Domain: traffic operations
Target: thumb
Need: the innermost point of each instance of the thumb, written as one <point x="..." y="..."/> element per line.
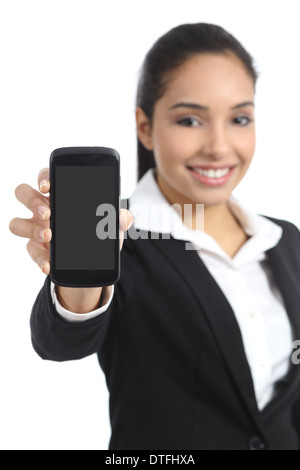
<point x="126" y="219"/>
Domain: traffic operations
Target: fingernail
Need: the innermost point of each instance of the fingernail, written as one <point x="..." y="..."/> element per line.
<point x="43" y="233"/>
<point x="43" y="184"/>
<point x="44" y="212"/>
<point x="43" y="267"/>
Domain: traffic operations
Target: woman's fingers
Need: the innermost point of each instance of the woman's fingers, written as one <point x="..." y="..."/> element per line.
<point x="43" y="181"/>
<point x="37" y="228"/>
<point x="28" y="229"/>
<point x="126" y="219"/>
<point x="39" y="253"/>
<point x="33" y="200"/>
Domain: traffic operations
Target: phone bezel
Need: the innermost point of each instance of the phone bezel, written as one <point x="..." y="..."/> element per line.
<point x="84" y="156"/>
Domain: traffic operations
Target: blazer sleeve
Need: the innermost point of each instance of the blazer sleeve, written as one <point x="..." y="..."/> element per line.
<point x="57" y="339"/>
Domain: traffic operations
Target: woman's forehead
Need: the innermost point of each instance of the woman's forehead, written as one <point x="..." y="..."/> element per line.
<point x="207" y="76"/>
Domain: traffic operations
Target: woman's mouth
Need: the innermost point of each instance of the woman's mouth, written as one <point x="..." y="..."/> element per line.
<point x="212" y="176"/>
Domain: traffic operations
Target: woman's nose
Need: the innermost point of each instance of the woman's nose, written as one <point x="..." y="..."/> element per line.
<point x="216" y="142"/>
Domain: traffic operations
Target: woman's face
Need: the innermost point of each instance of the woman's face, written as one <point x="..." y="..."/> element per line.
<point x="202" y="132"/>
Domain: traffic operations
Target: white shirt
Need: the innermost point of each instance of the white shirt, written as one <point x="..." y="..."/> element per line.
<point x="245" y="280"/>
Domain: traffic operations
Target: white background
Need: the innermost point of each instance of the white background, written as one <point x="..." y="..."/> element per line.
<point x="68" y="72"/>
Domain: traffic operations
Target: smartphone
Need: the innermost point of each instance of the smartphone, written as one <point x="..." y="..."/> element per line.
<point x="85" y="204"/>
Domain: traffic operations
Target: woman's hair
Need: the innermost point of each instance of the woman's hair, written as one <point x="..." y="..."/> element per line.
<point x="169" y="52"/>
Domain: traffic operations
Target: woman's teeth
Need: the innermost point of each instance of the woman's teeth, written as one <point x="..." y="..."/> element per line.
<point x="212" y="173"/>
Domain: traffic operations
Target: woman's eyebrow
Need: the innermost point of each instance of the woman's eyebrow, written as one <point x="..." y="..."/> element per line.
<point x="241" y="105"/>
<point x="189" y="105"/>
<point x="206" y="108"/>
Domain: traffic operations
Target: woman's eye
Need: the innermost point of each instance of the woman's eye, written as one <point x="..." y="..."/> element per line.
<point x="242" y="120"/>
<point x="188" y="122"/>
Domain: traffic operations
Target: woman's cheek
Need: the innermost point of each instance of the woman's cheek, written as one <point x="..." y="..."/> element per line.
<point x="171" y="149"/>
<point x="181" y="146"/>
<point x="246" y="145"/>
<point x="247" y="154"/>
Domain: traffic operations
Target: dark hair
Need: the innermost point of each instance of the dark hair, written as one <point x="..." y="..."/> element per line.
<point x="170" y="51"/>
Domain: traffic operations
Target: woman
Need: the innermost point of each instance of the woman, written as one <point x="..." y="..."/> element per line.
<point x="195" y="343"/>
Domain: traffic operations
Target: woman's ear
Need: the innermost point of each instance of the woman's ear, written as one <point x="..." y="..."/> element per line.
<point x="143" y="127"/>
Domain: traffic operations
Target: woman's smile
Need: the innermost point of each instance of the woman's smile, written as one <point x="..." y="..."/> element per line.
<point x="212" y="176"/>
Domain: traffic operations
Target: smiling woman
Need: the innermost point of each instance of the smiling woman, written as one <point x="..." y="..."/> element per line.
<point x="195" y="343"/>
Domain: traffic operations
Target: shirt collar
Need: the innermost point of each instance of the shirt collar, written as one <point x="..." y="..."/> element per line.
<point x="152" y="212"/>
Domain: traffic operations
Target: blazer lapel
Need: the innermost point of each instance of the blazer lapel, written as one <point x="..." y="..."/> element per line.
<point x="219" y="315"/>
<point x="288" y="283"/>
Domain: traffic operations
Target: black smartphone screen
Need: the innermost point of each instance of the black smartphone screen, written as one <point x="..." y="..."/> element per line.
<point x="80" y="190"/>
<point x="84" y="217"/>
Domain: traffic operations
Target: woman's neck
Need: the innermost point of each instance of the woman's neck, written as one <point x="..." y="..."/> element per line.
<point x="217" y="220"/>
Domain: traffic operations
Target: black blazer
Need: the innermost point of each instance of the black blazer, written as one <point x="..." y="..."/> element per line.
<point x="172" y="352"/>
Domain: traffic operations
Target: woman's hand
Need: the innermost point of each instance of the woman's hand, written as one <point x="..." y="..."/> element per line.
<point x="37" y="230"/>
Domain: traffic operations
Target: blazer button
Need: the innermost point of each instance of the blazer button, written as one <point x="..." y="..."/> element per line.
<point x="256" y="443"/>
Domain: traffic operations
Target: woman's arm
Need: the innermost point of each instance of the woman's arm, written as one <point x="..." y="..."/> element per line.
<point x="57" y="339"/>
